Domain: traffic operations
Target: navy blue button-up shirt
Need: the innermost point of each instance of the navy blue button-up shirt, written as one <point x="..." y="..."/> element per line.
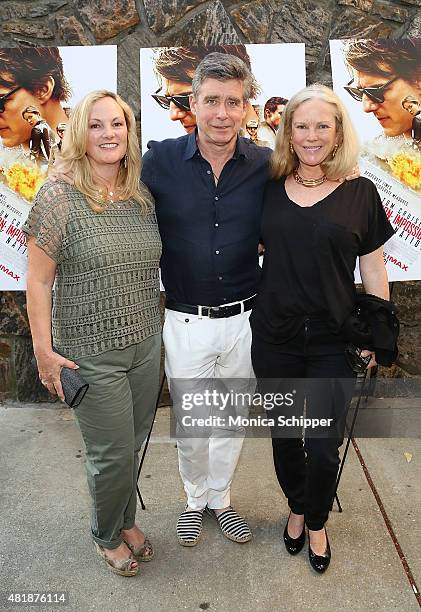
<point x="209" y="232"/>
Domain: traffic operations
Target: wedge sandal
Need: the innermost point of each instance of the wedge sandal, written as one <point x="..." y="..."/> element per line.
<point x="143" y="553"/>
<point x="122" y="568"/>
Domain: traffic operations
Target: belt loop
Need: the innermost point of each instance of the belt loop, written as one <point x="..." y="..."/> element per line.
<point x="199" y="312"/>
<point x="242" y="307"/>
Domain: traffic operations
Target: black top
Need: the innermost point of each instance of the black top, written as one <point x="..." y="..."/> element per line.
<point x="310" y="256"/>
<point x="209" y="233"/>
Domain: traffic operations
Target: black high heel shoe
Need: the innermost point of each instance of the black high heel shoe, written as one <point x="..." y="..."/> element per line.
<point x="319" y="563"/>
<point x="294" y="545"/>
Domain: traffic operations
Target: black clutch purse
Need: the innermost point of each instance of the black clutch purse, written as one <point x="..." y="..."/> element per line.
<point x="74" y="386"/>
<point x="356" y="362"/>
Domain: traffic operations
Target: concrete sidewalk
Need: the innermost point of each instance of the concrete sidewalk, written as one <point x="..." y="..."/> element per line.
<point x="45" y="543"/>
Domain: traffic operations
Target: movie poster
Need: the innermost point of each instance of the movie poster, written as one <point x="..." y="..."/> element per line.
<point x="166" y="76"/>
<point x="38" y="88"/>
<point x="379" y="81"/>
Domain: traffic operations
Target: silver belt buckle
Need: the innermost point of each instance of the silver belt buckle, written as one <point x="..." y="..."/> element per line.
<point x="211" y="310"/>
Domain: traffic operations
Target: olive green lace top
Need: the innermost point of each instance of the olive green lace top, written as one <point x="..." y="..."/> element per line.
<point x="106" y="292"/>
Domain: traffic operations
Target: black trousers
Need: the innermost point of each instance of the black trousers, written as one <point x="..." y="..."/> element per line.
<point x="307" y="466"/>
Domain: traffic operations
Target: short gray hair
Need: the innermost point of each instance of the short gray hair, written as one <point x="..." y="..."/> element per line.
<point x="224" y="67"/>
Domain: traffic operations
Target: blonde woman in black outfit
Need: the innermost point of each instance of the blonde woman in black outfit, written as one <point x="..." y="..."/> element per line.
<point x="314" y="228"/>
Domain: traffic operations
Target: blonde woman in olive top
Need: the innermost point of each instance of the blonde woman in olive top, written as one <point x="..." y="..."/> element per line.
<point x="99" y="240"/>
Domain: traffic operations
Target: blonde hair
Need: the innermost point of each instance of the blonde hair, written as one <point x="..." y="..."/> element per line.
<point x="283" y="161"/>
<point x="73" y="153"/>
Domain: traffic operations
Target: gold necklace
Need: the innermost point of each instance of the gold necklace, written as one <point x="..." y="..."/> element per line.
<point x="106" y="197"/>
<point x="309" y="182"/>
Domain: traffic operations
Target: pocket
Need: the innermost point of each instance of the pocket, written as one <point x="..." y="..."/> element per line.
<point x="175" y="333"/>
<point x="186" y="334"/>
<point x="181" y="318"/>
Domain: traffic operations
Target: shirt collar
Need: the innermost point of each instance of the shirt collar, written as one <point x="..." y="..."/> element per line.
<point x="192" y="148"/>
<point x="241" y="148"/>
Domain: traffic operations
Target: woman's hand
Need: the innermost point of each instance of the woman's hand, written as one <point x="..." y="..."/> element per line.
<point x="60" y="171"/>
<point x="372" y="362"/>
<point x="49" y="368"/>
<point x="355" y="173"/>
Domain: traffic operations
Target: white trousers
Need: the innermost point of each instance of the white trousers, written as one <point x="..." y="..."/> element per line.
<point x="208" y="348"/>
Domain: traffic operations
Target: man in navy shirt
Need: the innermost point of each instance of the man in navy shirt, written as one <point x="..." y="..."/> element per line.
<point x="208" y="188"/>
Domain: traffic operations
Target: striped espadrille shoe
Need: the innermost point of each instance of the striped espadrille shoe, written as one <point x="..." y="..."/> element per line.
<point x="189" y="527"/>
<point x="232" y="525"/>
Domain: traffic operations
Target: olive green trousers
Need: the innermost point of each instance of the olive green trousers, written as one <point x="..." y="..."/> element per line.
<point x="114" y="418"/>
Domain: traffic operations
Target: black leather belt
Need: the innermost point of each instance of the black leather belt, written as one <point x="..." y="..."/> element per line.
<point x="213" y="312"/>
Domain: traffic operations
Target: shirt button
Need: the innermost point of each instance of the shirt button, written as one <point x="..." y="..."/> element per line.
<point x="186" y="320"/>
<point x="216" y="252"/>
<point x="217" y="225"/>
<point x="219" y="277"/>
<point x="208" y="172"/>
<point x="216" y="198"/>
<point x="225" y="299"/>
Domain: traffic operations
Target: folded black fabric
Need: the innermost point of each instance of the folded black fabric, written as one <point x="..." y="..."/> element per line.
<point x="374" y="325"/>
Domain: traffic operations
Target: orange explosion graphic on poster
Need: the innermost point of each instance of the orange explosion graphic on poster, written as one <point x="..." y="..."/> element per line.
<point x="407" y="169"/>
<point x="24" y="179"/>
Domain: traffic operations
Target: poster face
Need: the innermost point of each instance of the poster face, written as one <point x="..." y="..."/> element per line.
<point x="380" y="84"/>
<point x="38" y="88"/>
<point x="166" y="75"/>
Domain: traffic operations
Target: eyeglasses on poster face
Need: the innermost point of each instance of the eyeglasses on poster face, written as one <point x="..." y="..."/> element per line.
<point x="182" y="101"/>
<point x="376" y="94"/>
<point x="3" y="98"/>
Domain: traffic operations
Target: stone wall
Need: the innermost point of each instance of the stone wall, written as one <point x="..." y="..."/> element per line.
<point x="131" y="24"/>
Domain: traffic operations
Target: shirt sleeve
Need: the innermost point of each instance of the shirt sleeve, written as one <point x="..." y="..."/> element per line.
<point x="149" y="200"/>
<point x="379" y="228"/>
<point x="47" y="221"/>
<point x="148" y="169"/>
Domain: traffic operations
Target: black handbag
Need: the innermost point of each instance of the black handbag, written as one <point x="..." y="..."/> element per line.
<point x="74" y="386"/>
<point x="374" y="325"/>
